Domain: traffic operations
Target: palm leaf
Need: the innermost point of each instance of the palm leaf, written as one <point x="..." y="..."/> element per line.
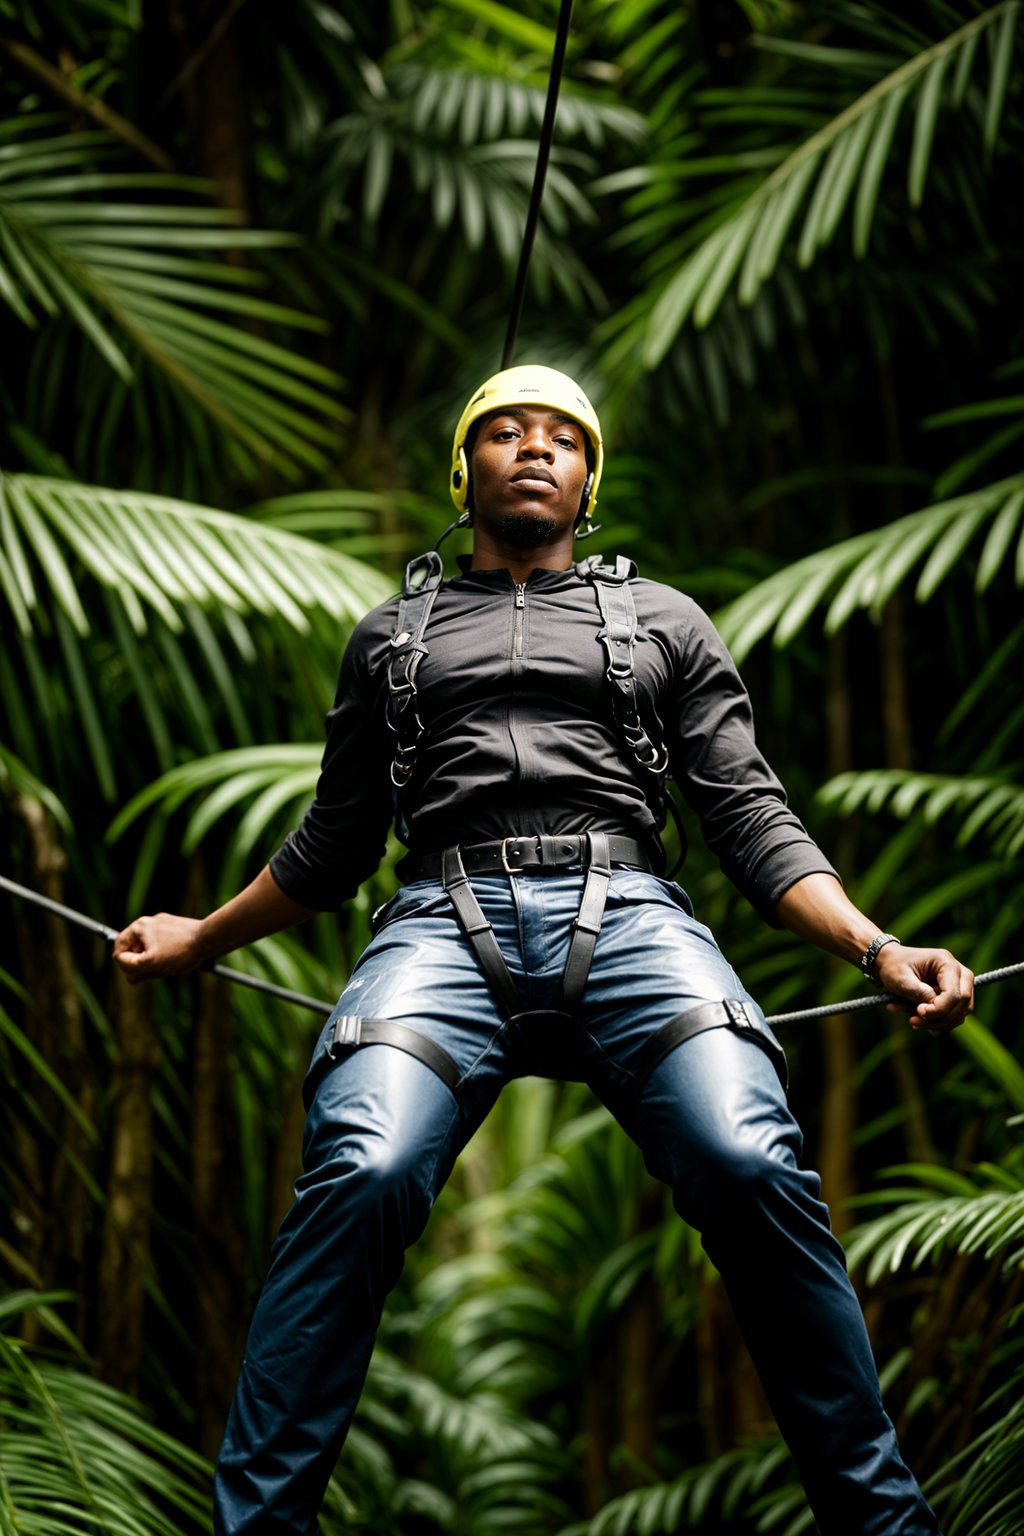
<point x="849" y="152"/>
<point x="989" y="1222"/>
<point x="132" y="277"/>
<point x="15" y="776"/>
<point x="982" y="805"/>
<point x="509" y="22"/>
<point x="159" y="554"/>
<point x="988" y="1497"/>
<point x="78" y="1455"/>
<point x="865" y="571"/>
<point x="234" y="776"/>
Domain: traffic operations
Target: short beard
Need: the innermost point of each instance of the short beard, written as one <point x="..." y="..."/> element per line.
<point x="527" y="532"/>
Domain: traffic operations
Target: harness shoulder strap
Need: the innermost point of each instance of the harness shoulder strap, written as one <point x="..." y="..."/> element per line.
<point x="618" y="636"/>
<point x="420" y="586"/>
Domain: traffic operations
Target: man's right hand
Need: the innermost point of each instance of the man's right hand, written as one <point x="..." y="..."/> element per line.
<point x="162" y="945"/>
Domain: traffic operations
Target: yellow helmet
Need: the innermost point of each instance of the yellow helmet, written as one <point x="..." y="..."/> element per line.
<point x="529" y="384"/>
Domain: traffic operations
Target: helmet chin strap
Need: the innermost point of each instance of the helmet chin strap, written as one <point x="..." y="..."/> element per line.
<point x="585" y="525"/>
<point x="586" y="528"/>
<point x="465" y="521"/>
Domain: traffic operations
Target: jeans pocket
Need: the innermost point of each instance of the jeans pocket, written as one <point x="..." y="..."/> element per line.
<point x="419" y="898"/>
<point x="636" y="885"/>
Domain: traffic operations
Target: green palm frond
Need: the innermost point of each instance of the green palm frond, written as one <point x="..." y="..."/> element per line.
<point x="132" y="610"/>
<point x="277" y="781"/>
<point x="159" y="554"/>
<point x="844" y="159"/>
<point x="757" y="1481"/>
<point x="470" y="1421"/>
<point x="15" y="777"/>
<point x="79" y="1456"/>
<point x="987" y="1498"/>
<point x="983" y="806"/>
<point x="509" y="22"/>
<point x="471" y="107"/>
<point x="141" y="279"/>
<point x="465" y="139"/>
<point x="865" y="571"/>
<point x="489" y="1459"/>
<point x="997" y="442"/>
<point x="483" y="191"/>
<point x="940" y="1212"/>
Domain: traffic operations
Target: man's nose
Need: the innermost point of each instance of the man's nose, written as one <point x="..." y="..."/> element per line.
<point x="536" y="445"/>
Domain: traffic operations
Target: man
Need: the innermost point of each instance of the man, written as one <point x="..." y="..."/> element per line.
<point x="525" y="712"/>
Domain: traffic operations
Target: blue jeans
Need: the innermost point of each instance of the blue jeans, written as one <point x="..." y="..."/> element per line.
<point x="383" y="1132"/>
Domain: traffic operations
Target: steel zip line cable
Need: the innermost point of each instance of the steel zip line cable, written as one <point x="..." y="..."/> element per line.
<point x="101" y="931"/>
<point x="316" y="1005"/>
<point x="547" y="133"/>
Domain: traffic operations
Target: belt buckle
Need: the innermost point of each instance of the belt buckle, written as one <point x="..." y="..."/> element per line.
<point x="506" y="866"/>
<point x="516" y="838"/>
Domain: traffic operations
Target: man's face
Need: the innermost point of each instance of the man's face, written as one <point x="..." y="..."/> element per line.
<point x="528" y="469"/>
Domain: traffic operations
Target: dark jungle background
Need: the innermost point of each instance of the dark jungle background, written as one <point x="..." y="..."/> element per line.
<point x="253" y="257"/>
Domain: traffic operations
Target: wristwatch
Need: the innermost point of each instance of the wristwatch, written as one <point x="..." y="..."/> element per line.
<point x="870" y="955"/>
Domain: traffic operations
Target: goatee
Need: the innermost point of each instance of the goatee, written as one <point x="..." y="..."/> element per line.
<point x="527" y="532"/>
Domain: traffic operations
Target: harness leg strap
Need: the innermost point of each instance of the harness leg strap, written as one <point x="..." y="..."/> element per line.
<point x="732" y="1013"/>
<point x="587" y="922"/>
<point x="479" y="932"/>
<point x="350" y="1031"/>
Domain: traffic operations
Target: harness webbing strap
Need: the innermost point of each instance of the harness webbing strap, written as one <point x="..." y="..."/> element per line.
<point x="731" y="1013"/>
<point x="618" y="636"/>
<point x="350" y="1031"/>
<point x="587" y="922"/>
<point x="479" y="933"/>
<point x="420" y="586"/>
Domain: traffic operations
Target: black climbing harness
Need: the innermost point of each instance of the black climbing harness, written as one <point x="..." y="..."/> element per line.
<point x="351" y="1031"/>
<point x="420" y="586"/>
<point x="618" y="636"/>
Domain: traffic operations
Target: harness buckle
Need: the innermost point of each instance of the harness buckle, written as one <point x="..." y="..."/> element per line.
<point x="739" y="1018"/>
<point x="658" y="760"/>
<point x="348" y="1028"/>
<point x="403" y="765"/>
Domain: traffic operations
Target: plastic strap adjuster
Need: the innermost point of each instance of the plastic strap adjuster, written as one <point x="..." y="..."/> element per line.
<point x="346" y="1034"/>
<point x="739" y="1018"/>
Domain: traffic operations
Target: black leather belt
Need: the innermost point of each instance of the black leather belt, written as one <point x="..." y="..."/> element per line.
<point x="537" y="853"/>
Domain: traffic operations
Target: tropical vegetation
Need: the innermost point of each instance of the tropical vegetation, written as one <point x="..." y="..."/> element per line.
<point x="251" y="261"/>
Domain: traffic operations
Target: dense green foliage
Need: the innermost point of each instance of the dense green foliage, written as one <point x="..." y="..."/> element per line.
<point x="250" y="265"/>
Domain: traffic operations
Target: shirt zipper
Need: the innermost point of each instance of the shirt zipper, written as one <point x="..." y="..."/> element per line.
<point x="517" y="631"/>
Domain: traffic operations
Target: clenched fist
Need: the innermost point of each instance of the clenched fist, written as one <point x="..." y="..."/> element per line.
<point x="162" y="945"/>
<point x="934" y="988"/>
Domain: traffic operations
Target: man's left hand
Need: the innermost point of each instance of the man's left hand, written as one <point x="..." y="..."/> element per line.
<point x="933" y="987"/>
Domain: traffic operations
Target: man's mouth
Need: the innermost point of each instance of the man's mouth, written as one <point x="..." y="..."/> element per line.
<point x="536" y="478"/>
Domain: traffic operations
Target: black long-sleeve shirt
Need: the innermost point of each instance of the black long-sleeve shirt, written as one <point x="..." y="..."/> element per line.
<point x="520" y="738"/>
